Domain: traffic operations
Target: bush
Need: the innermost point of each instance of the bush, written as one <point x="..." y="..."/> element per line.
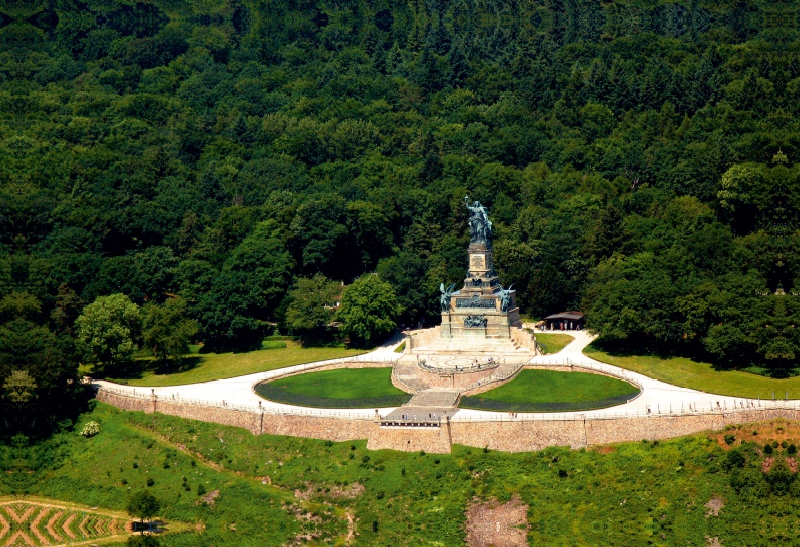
<point x="150" y="482"/>
<point x="767" y="449"/>
<point x="729" y="439"/>
<point x="91" y="429"/>
<point x="792" y="449"/>
<point x="734" y="460"/>
<point x="201" y="489"/>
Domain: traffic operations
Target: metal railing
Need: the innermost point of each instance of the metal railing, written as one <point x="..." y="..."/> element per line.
<point x="665" y="410"/>
<point x="489" y="364"/>
<point x="739" y="406"/>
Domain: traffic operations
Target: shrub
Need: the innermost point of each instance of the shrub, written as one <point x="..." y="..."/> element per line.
<point x="734" y="460"/>
<point x="729" y="439"/>
<point x="201" y="489"/>
<point x="150" y="482"/>
<point x="767" y="449"/>
<point x="792" y="449"/>
<point x="562" y="474"/>
<point x="91" y="429"/>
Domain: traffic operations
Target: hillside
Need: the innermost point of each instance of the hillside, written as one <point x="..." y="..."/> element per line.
<point x="637" y="159"/>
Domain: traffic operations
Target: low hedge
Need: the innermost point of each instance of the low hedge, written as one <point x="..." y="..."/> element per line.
<point x="280" y="395"/>
<point x="476" y="403"/>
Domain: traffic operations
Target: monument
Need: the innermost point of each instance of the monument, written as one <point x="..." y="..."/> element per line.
<point x="482" y="308"/>
<point x="482" y="316"/>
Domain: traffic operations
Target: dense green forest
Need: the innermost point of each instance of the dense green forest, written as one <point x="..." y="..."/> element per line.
<point x="637" y="157"/>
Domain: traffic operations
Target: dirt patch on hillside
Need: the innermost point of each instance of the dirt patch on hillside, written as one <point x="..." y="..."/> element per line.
<point x="714" y="506"/>
<point x="209" y="499"/>
<point x="335" y="492"/>
<point x="765" y="432"/>
<point x="500" y="525"/>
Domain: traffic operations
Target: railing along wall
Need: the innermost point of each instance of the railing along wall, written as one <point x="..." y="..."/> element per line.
<point x="662" y="410"/>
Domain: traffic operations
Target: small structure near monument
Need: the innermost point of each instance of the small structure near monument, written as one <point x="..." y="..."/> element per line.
<point x="567" y="320"/>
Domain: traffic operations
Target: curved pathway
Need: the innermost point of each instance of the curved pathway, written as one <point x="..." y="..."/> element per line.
<point x="239" y="389"/>
<point x="657" y="397"/>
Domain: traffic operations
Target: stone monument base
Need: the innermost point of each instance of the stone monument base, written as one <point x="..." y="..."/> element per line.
<point x="474" y="341"/>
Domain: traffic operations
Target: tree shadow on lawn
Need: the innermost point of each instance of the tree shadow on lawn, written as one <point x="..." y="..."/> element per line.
<point x="135" y="370"/>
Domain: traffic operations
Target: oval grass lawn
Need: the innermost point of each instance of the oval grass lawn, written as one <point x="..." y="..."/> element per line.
<point x="553" y="391"/>
<point x="338" y="388"/>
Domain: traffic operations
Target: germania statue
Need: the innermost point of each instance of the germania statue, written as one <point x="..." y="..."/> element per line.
<point x="480" y="227"/>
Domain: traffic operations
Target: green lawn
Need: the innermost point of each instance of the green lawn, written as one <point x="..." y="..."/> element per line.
<point x="553" y="391"/>
<point x="684" y="372"/>
<point x="340" y="388"/>
<point x="213" y="366"/>
<point x="343" y="383"/>
<point x="552" y="343"/>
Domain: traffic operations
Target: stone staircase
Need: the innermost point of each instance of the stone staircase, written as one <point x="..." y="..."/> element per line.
<point x="434" y="398"/>
<point x="478" y="346"/>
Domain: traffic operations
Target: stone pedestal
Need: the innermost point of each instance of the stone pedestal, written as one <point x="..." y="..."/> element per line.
<point x="476" y="311"/>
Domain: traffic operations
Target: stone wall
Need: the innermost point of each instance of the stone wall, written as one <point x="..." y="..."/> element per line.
<point x="422" y="337"/>
<point x="524" y="436"/>
<point x="458" y="380"/>
<point x="524" y="339"/>
<point x="504" y="434"/>
<point x="314" y="427"/>
<point x="435" y="440"/>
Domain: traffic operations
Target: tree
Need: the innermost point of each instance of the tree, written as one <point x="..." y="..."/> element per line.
<point x="369" y="309"/>
<point x="143" y="505"/>
<point x="312" y="307"/>
<point x="166" y="330"/>
<point x="109" y="328"/>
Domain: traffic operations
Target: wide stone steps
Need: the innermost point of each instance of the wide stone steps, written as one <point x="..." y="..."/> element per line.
<point x="434" y="398"/>
<point x="488" y="346"/>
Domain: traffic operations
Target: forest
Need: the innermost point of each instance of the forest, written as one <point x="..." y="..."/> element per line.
<point x="638" y="158"/>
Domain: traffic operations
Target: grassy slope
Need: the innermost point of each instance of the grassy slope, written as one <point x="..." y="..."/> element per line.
<point x="342" y="383"/>
<point x="213" y="366"/>
<point x="701" y="376"/>
<point x="552" y="343"/>
<point x="552" y="386"/>
<point x="629" y="494"/>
